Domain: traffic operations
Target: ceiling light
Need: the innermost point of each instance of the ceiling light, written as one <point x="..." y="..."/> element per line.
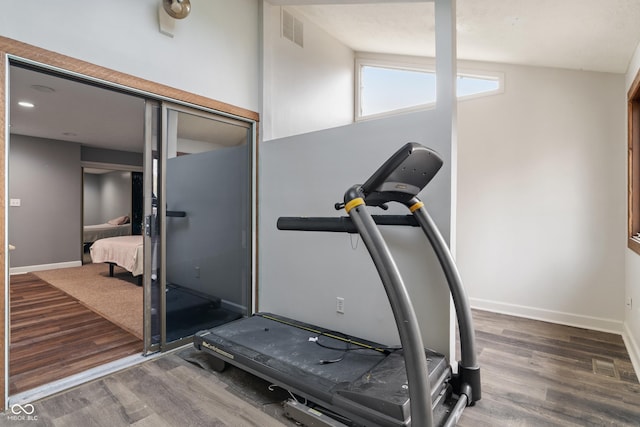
<point x="26" y="104"/>
<point x="43" y="88"/>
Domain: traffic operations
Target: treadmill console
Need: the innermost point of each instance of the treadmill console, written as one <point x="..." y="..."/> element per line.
<point x="402" y="176"/>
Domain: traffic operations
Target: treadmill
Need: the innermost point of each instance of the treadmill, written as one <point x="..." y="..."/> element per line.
<point x="337" y="379"/>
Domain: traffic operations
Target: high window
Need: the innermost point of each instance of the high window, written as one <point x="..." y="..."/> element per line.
<point x="386" y="88"/>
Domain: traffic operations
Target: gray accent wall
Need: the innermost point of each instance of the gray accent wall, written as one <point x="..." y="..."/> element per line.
<point x="302" y="273"/>
<point x="91" y="199"/>
<point x="46" y="176"/>
<point x="106" y="196"/>
<point x="117" y="157"/>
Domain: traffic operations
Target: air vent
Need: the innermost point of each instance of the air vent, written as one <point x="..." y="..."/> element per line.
<point x="606" y="368"/>
<point x="292" y="28"/>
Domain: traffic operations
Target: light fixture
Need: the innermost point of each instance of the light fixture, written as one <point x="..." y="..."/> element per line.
<point x="26" y="104"/>
<point x="177" y="9"/>
<point x="43" y="88"/>
<point x="169" y="11"/>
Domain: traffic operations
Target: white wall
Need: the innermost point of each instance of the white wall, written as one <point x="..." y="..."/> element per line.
<point x="302" y="273"/>
<point x="541" y="196"/>
<point x="214" y="53"/>
<point x="632" y="266"/>
<point x="304" y="174"/>
<point x="305" y="88"/>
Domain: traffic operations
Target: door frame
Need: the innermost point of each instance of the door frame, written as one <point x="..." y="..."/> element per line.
<point x="15" y="51"/>
<point x="166" y="132"/>
<point x="100" y="165"/>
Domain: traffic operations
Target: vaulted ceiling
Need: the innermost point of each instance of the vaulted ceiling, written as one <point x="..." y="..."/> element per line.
<point x="596" y="35"/>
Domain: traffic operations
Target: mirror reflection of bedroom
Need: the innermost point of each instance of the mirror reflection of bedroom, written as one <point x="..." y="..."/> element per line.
<point x="112" y="206"/>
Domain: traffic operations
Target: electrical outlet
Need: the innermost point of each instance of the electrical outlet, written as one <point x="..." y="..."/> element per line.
<point x="629" y="303"/>
<point x="340" y="305"/>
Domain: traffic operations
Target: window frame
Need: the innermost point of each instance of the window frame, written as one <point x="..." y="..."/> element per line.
<point x="426" y="65"/>
<point x="633" y="165"/>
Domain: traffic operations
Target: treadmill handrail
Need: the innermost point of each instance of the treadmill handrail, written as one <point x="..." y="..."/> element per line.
<point x="343" y="224"/>
<point x="469" y="371"/>
<point x="401" y="307"/>
<point x="399" y="180"/>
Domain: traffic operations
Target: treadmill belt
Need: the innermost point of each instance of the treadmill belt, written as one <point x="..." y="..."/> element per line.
<point x="284" y="346"/>
<point x="359" y="379"/>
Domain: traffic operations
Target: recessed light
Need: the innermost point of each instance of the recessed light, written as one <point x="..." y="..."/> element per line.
<point x="43" y="88"/>
<point x="26" y="104"/>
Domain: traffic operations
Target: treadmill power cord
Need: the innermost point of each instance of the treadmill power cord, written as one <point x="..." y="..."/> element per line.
<point x="347" y="339"/>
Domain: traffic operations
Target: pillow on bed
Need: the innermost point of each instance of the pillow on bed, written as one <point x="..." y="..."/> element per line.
<point x="119" y="220"/>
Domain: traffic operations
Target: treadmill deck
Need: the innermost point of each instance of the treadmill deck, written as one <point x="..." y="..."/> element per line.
<point x="359" y="379"/>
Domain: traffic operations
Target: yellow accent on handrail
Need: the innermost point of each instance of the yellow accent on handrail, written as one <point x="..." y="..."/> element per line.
<point x="416" y="206"/>
<point x="354" y="203"/>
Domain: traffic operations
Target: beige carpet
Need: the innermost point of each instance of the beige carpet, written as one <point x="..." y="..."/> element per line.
<point x="117" y="298"/>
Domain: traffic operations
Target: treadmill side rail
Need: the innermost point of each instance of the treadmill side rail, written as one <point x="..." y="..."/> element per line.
<point x="308" y="416"/>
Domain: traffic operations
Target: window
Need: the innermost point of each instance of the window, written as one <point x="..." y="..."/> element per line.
<point x="390" y="87"/>
<point x="633" y="168"/>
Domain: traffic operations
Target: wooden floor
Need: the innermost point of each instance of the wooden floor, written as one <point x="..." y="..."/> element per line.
<point x="533" y="374"/>
<point x="542" y="374"/>
<point x="53" y="335"/>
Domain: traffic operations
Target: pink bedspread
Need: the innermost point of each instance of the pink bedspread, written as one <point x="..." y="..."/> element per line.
<point x="124" y="251"/>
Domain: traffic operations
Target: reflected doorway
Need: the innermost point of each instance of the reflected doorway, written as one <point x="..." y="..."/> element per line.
<point x="112" y="205"/>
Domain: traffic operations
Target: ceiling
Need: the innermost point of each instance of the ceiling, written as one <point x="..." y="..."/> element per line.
<point x="91" y="115"/>
<point x="70" y="111"/>
<point x="596" y="35"/>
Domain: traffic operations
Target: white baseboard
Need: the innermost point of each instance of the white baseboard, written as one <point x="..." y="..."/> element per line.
<point x="632" y="348"/>
<point x="30" y="268"/>
<point x="569" y="319"/>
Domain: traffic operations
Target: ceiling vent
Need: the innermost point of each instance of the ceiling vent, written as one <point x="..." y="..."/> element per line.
<point x="292" y="28"/>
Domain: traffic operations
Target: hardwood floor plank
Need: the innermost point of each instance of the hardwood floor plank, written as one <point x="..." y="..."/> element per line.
<point x="529" y="378"/>
<point x="53" y="335"/>
<point x="228" y="408"/>
<point x="169" y="400"/>
<point x="131" y="405"/>
<point x="153" y="420"/>
<point x="520" y="358"/>
<point x="574" y="347"/>
<point x="592" y="409"/>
